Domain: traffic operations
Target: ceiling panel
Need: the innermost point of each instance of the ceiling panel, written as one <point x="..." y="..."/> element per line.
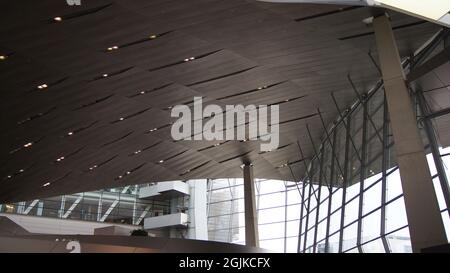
<point x="105" y="114"/>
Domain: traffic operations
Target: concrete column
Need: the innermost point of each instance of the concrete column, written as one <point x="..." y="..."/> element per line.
<point x="425" y="223"/>
<point x="251" y="216"/>
<point x="198" y="217"/>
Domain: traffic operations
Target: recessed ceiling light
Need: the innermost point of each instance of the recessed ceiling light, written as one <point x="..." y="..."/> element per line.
<point x="70" y="133"/>
<point x="368" y="21"/>
<point x="152" y="36"/>
<point x="113" y="48"/>
<point x="57" y="19"/>
<point x="28" y="144"/>
<point x="121" y="119"/>
<point x="21" y="170"/>
<point x="142" y="92"/>
<point x="161" y="161"/>
<point x="46" y="184"/>
<point x="9" y="176"/>
<point x="189" y="59"/>
<point x="128" y="172"/>
<point x="3" y="57"/>
<point x="42" y="86"/>
<point x="105" y="75"/>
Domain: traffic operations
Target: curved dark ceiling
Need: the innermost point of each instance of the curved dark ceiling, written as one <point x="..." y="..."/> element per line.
<point x="83" y="131"/>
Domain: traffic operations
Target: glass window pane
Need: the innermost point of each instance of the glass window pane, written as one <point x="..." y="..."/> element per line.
<point x="372" y="198"/>
<point x="293" y="212"/>
<point x="219" y="235"/>
<point x="352" y="191"/>
<point x="333" y="245"/>
<point x="439" y="194"/>
<point x="220" y="208"/>
<point x="219" y="183"/>
<point x="291" y="245"/>
<point x="270" y="231"/>
<point x="323" y="210"/>
<point x="375" y="246"/>
<point x="351" y="211"/>
<point x="396" y="215"/>
<point x="321" y="230"/>
<point x="371" y="226"/>
<point x="268" y="186"/>
<point x="312" y="218"/>
<point x="400" y="242"/>
<point x="310" y="239"/>
<point x="335" y="221"/>
<point x="276" y="245"/>
<point x="446" y="221"/>
<point x="293" y="196"/>
<point x="336" y="201"/>
<point x="292" y="228"/>
<point x="393" y="185"/>
<point x="271" y="200"/>
<point x="313" y="200"/>
<point x="349" y="237"/>
<point x="271" y="215"/>
<point x="220" y="195"/>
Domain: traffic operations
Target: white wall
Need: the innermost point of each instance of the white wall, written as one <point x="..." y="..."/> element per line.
<point x="44" y="225"/>
<point x="168" y="220"/>
<point x="198" y="219"/>
<point x="155" y="190"/>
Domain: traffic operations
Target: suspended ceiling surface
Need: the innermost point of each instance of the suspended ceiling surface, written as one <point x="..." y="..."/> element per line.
<point x="88" y="131"/>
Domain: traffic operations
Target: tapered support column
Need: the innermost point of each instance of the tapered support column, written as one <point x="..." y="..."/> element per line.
<point x="425" y="223"/>
<point x="251" y="217"/>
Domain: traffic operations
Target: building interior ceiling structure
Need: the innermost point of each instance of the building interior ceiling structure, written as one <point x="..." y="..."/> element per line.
<point x="86" y="91"/>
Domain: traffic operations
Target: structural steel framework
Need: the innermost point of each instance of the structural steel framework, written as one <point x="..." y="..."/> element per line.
<point x="355" y="148"/>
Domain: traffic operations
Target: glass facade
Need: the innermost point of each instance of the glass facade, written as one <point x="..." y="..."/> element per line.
<point x="278" y="206"/>
<point x="118" y="205"/>
<point x="351" y="199"/>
